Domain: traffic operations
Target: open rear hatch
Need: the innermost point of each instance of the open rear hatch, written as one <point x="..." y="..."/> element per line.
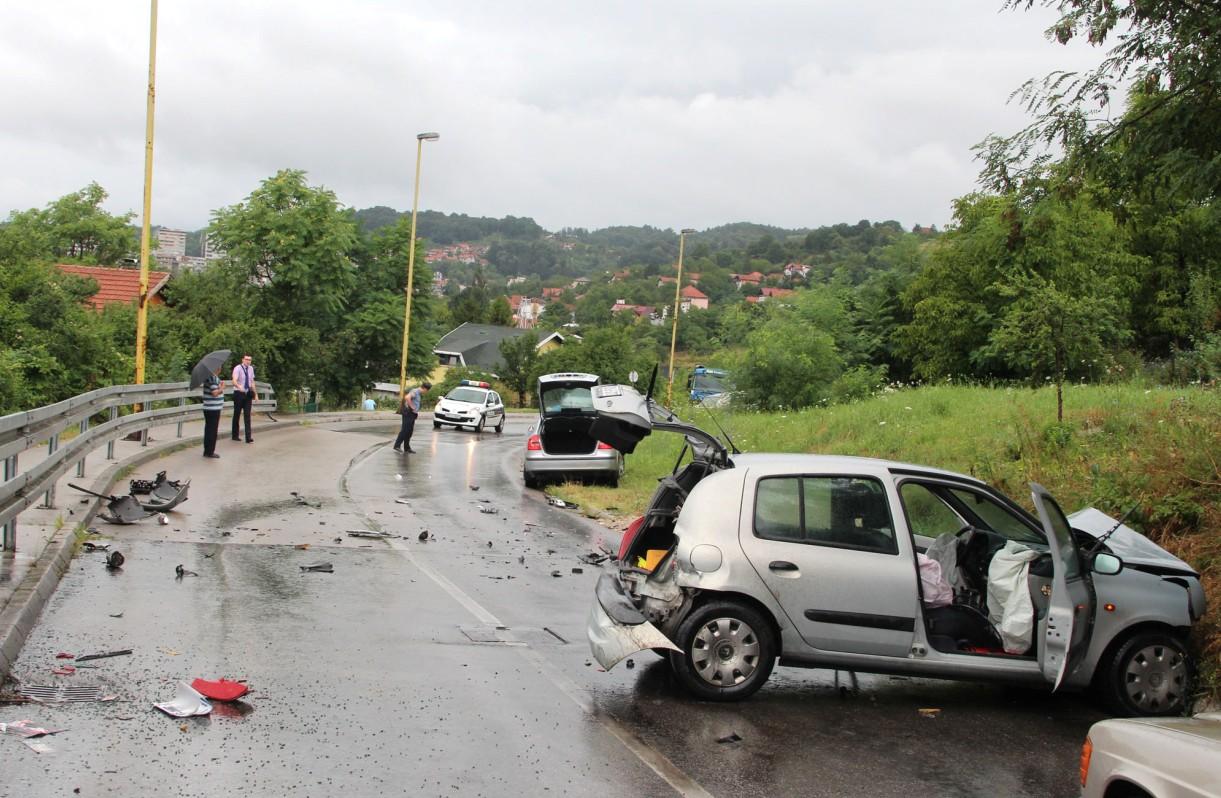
<point x="568" y="413"/>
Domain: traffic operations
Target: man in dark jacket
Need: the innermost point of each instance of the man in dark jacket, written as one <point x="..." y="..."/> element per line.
<point x="409" y="407"/>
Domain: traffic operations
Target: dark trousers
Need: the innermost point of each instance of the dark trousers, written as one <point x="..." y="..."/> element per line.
<point x="242" y="401"/>
<point x="404" y="438"/>
<point x="211" y="425"/>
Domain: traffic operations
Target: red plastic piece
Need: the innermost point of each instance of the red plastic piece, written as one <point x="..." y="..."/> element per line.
<point x="221" y="690"/>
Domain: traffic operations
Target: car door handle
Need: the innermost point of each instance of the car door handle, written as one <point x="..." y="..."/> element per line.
<point x="781" y="565"/>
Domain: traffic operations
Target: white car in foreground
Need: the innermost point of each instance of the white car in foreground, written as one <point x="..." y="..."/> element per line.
<point x="1162" y="757"/>
<point x="471" y="404"/>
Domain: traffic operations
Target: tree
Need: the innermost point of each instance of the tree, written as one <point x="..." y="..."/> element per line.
<point x="72" y="227"/>
<point x="1169" y="53"/>
<point x="787" y="364"/>
<point x="500" y="313"/>
<point x="521" y="360"/>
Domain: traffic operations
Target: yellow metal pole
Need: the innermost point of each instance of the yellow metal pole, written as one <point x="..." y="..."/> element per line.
<point x="142" y="308"/>
<point x="415" y="206"/>
<point x="678" y="286"/>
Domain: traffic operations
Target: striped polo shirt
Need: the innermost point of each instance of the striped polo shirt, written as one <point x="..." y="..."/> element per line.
<point x="211" y="402"/>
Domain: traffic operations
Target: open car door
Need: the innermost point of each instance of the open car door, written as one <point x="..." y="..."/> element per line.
<point x="625" y="417"/>
<point x="1070" y="611"/>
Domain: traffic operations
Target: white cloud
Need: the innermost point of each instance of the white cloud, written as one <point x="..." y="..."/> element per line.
<point x="578" y="114"/>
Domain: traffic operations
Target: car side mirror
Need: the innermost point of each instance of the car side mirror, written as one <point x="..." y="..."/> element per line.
<point x="1107" y="564"/>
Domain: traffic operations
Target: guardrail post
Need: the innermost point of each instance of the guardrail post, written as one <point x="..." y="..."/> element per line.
<point x="9" y="530"/>
<point x="114" y="413"/>
<point x="48" y="498"/>
<point x="181" y="403"/>
<point x="80" y="467"/>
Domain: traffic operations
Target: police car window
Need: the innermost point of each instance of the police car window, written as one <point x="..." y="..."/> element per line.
<point x="462" y="394"/>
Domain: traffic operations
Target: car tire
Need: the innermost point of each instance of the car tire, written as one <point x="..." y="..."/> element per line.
<point x="1148" y="674"/>
<point x="728" y="651"/>
<point x="500" y="427"/>
<point x="436" y="425"/>
<point x="479" y="424"/>
<point x="532" y="481"/>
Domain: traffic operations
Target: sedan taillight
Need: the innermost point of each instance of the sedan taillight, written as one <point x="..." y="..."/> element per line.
<point x="629" y="536"/>
<point x="604" y="446"/>
<point x="534" y="444"/>
<point x="1087" y="751"/>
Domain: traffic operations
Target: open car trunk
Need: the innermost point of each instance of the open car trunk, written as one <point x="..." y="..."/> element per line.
<point x="568" y="435"/>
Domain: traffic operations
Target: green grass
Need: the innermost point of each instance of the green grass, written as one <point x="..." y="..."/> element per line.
<point x="1119" y="445"/>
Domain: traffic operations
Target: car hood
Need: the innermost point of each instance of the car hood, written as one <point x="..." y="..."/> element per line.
<point x="454" y="404"/>
<point x="1126" y="543"/>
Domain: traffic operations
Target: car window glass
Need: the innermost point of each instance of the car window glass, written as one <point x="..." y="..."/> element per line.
<point x="848" y="511"/>
<point x="778" y="509"/>
<point x="927" y="514"/>
<point x="464" y="394"/>
<point x="556" y="400"/>
<point x="998" y="518"/>
<point x="495" y="398"/>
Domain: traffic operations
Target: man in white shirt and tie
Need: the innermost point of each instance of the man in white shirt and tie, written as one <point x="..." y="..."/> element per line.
<point x="244" y="394"/>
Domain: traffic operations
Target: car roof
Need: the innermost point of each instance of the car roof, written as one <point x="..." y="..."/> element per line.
<point x="832" y="462"/>
<point x="568" y="376"/>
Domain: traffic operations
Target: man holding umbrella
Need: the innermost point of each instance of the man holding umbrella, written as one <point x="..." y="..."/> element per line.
<point x="206" y="374"/>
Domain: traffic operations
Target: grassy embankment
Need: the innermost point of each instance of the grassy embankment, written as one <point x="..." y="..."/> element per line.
<point x="1118" y="446"/>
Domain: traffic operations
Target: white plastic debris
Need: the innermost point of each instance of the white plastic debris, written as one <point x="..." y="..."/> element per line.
<point x="187" y="704"/>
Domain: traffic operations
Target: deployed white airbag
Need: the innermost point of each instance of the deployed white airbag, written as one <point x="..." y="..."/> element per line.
<point x="1009" y="606"/>
<point x="936" y="590"/>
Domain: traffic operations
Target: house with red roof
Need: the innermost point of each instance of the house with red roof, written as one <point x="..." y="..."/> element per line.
<point x="552" y="293"/>
<point x="692" y="297"/>
<point x="118" y="286"/>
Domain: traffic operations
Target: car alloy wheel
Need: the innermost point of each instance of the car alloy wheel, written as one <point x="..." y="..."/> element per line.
<point x="728" y="651"/>
<point x="479" y="423"/>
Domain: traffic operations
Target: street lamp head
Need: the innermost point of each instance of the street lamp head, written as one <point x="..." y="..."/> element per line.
<point x="687" y="231"/>
<point x="428" y="136"/>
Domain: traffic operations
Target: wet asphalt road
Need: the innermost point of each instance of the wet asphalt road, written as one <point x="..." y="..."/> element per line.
<point x="452" y="667"/>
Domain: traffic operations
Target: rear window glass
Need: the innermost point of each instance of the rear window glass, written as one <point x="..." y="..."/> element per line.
<point x="571" y="398"/>
<point x="463" y="394"/>
<point x="843" y="512"/>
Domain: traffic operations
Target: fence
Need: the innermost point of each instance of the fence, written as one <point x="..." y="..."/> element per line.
<point x="147" y="406"/>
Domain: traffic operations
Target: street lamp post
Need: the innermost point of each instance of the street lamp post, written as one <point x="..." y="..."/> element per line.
<point x="678" y="287"/>
<point x="142" y="306"/>
<point x="415" y="207"/>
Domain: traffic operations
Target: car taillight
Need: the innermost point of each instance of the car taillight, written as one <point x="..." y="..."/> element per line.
<point x="1087" y="750"/>
<point x="534" y="444"/>
<point x="629" y="535"/>
<point x="604" y="446"/>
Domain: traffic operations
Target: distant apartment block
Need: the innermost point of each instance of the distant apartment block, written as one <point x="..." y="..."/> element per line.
<point x="171" y="243"/>
<point x="463" y="253"/>
<point x="210" y="250"/>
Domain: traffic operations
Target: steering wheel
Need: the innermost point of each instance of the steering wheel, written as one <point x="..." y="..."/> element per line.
<point x="964" y="530"/>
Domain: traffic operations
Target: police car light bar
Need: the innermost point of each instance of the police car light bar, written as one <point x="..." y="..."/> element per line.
<point x="475" y="384"/>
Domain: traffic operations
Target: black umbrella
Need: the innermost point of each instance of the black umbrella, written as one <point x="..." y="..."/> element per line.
<point x="210" y="363"/>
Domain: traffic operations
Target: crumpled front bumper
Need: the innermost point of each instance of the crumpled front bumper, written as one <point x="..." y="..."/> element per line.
<point x="616" y="629"/>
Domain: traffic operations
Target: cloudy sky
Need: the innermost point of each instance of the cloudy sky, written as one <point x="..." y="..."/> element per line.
<point x="672" y="113"/>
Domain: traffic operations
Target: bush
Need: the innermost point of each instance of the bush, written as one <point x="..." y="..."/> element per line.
<point x="858" y="383"/>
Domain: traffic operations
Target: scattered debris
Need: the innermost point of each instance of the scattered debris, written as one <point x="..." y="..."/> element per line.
<point x="556" y="574"/>
<point x="302" y="546"/>
<point x="65" y="655"/>
<point x="90" y="546"/>
<point x="161" y="519"/>
<point x="631" y="663"/>
<point x="398" y="476"/>
<point x="401" y="501"/>
<point x="732" y="737"/>
<point x="304" y="502"/>
<point x="929" y="712"/>
<point x="60" y="693"/>
<point x="319" y="567"/>
<point x="121" y="509"/>
<point x="557" y="502"/>
<point x="115" y="560"/>
<point x="116" y="615"/>
<point x="339" y="540"/>
<point x="180" y="572"/>
<point x="489" y="544"/>
<point x="521" y="559"/>
<point x="63" y="670"/>
<point x="163" y="494"/>
<point x="594" y="559"/>
<point x="105" y="655"/>
<point x="220" y="690"/>
<point x="473" y="487"/>
<point x="489" y="511"/>
<point x="578" y="570"/>
<point x="26" y="729"/>
<point x="423" y="535"/>
<point x="38" y="746"/>
<point x="187" y="704"/>
<point x="369" y="533"/>
<point x="169" y="652"/>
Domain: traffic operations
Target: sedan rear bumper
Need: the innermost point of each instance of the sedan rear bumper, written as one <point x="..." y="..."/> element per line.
<point x="616" y="629"/>
<point x="551" y="464"/>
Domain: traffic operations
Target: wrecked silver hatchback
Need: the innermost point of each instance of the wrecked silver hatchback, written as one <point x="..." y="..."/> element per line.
<point x="741" y="561"/>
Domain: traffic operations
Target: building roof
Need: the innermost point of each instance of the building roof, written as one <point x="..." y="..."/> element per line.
<point x="116" y="285"/>
<point x="770" y="291"/>
<point x="479" y="344"/>
<point x="691" y="292"/>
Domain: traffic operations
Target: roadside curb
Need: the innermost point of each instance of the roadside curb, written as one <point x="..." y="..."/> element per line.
<point x="35" y="591"/>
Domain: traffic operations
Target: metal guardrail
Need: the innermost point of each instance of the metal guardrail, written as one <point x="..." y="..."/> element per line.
<point x="20" y="432"/>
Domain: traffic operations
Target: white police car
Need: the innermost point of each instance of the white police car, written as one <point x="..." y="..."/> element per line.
<point x="471" y="404"/>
